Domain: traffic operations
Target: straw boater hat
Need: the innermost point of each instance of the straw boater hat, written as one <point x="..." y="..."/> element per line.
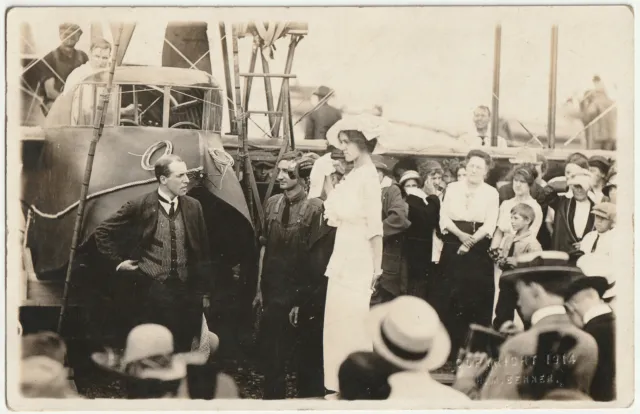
<point x="545" y="265"/>
<point x="148" y="342"/>
<point x="407" y="332"/>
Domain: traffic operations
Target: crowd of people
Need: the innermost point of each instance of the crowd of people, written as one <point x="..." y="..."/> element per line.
<point x="381" y="274"/>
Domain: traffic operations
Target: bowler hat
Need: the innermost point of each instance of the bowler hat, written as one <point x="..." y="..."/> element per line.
<point x="322" y="91"/>
<point x="539" y="266"/>
<point x="598" y="283"/>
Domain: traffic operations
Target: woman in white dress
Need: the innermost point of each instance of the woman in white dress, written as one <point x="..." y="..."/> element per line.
<point x="354" y="207"/>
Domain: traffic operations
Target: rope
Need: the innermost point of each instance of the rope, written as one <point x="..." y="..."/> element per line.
<point x="146" y="157"/>
<point x="98" y="194"/>
<point x="222" y="159"/>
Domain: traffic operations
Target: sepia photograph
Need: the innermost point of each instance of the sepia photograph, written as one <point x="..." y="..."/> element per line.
<point x="320" y="207"/>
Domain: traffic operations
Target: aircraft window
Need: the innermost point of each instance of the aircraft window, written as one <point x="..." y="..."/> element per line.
<point x="141" y="105"/>
<point x="194" y="108"/>
<point x="85" y="102"/>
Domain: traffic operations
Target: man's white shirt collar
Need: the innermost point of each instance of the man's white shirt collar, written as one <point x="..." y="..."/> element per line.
<point x="596" y="311"/>
<point x="167" y="206"/>
<point x="547" y="311"/>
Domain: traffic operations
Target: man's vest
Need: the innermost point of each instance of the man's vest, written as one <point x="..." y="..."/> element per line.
<point x="166" y="256"/>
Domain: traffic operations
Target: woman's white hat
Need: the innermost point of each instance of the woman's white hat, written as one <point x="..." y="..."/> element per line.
<point x="409" y="175"/>
<point x="369" y="125"/>
<point x="147" y="341"/>
<point x="408" y="333"/>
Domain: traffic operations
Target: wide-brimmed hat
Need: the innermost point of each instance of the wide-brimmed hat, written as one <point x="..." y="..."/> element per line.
<point x="605" y="210"/>
<point x="409" y="175"/>
<point x="371" y="127"/>
<point x="540" y="266"/>
<point x="408" y="333"/>
<point x="153" y="343"/>
<point x="322" y="91"/>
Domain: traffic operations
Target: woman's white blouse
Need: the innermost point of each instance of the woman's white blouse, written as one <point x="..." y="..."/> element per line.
<point x="462" y="203"/>
<point x="357" y="200"/>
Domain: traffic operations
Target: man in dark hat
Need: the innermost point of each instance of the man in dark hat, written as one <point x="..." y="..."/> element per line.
<point x="584" y="301"/>
<point x="599" y="167"/>
<point x="323" y="117"/>
<point x="61" y="61"/>
<point x="541" y="280"/>
<point x="395" y="220"/>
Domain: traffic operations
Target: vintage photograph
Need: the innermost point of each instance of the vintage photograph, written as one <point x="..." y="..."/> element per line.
<point x="315" y="207"/>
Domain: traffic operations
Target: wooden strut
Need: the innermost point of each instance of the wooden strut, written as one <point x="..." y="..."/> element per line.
<point x="227" y="77"/>
<point x="295" y="39"/>
<point x="98" y="126"/>
<point x="268" y="93"/>
<point x="495" y="101"/>
<point x="553" y="78"/>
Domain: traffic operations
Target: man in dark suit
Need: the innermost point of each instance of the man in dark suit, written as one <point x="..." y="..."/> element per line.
<point x="324" y="116"/>
<point x="541" y="280"/>
<point x="584" y="301"/>
<point x="158" y="246"/>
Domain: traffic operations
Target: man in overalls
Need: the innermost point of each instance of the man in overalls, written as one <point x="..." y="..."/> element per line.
<point x="290" y="216"/>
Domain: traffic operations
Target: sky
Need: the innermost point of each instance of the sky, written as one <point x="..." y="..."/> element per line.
<point x="426" y="65"/>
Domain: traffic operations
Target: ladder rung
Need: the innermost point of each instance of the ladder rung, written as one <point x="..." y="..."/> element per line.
<point x="267" y="75"/>
<point x="278" y="113"/>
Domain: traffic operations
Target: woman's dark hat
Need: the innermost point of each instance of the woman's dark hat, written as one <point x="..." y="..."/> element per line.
<point x="540" y="266"/>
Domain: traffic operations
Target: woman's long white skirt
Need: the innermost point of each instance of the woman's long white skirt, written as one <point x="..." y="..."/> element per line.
<point x="344" y="327"/>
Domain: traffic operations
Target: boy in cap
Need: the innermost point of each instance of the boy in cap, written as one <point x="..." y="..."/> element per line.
<point x="600" y="241"/>
<point x="323" y="117"/>
<point x="541" y="281"/>
<point x="584" y="301"/>
<point x="599" y="168"/>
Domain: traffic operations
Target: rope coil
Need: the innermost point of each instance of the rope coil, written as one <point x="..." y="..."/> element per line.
<point x="145" y="162"/>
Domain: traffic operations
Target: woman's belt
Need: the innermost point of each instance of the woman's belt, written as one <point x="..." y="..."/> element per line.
<point x="469" y="227"/>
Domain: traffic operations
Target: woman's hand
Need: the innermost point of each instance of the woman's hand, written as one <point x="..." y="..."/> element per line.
<point x="466" y="239"/>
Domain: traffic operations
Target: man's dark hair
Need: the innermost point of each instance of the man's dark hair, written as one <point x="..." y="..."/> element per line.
<point x="100" y="44"/>
<point x="579" y="159"/>
<point x="359" y="139"/>
<point x="161" y="167"/>
<point x="363" y="376"/>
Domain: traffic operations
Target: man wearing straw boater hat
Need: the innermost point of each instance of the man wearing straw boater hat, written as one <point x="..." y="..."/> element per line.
<point x="323" y="117"/>
<point x="541" y="280"/>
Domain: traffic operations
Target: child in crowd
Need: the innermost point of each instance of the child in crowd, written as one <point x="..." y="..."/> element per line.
<point x="513" y="245"/>
<point x="600" y="241"/>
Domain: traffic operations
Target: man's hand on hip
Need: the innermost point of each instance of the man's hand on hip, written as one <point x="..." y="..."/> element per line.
<point x="127" y="266"/>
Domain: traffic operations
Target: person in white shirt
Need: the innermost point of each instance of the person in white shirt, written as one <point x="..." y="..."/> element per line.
<point x="468" y="218"/>
<point x="85" y="99"/>
<point x="481" y="137"/>
<point x="600" y="241"/>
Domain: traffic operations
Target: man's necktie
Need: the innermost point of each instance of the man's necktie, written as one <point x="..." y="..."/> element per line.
<point x="285" y="213"/>
<point x="172" y="210"/>
<point x="595" y="244"/>
<point x="483" y="140"/>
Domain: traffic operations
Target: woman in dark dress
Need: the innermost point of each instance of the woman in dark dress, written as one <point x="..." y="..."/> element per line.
<point x="468" y="217"/>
